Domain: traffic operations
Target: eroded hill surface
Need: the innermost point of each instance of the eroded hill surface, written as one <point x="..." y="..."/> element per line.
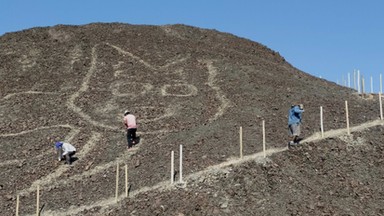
<point x="186" y="85"/>
<point x="335" y="176"/>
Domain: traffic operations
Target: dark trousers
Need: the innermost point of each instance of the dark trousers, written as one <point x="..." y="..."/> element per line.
<point x="131" y="136"/>
<point x="68" y="157"/>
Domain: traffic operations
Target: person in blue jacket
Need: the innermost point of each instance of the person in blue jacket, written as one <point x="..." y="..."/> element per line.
<point x="294" y="123"/>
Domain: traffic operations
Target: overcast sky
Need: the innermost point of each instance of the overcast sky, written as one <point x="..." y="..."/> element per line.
<point x="328" y="38"/>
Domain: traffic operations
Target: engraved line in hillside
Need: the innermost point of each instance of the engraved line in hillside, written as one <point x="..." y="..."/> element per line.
<point x="80" y="177"/>
<point x="165" y="185"/>
<point x="84" y="87"/>
<point x="28" y="92"/>
<point x="74" y="131"/>
<point x="48" y="179"/>
<point x="133" y="56"/>
<point x="10" y="162"/>
<point x="50" y="184"/>
<point x="225" y="102"/>
<point x="172" y="62"/>
<point x="30" y="131"/>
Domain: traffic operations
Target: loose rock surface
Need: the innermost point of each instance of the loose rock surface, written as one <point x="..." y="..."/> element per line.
<point x="187" y="86"/>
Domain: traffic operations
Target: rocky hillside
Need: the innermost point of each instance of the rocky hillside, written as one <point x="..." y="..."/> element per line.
<point x="187" y="86"/>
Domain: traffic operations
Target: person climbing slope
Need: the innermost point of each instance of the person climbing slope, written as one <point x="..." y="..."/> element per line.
<point x="131" y="127"/>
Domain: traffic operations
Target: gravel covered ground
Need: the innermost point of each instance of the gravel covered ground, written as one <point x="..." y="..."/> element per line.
<point x="189" y="86"/>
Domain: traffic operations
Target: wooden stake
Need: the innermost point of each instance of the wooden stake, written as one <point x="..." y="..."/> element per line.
<point x="381" y="106"/>
<point x="349" y="80"/>
<point x="371" y="85"/>
<point x="17" y="205"/>
<point x="358" y="81"/>
<point x="117" y="182"/>
<point x="38" y="200"/>
<point x="241" y="142"/>
<point x="362" y="85"/>
<point x="181" y="164"/>
<point x="347" y="116"/>
<point x="321" y="122"/>
<point x="126" y="180"/>
<point x="172" y="166"/>
<point x="381" y="84"/>
<point x="354" y="79"/>
<point x="264" y="153"/>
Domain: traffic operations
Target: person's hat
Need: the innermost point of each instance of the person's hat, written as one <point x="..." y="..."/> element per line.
<point x="58" y="145"/>
<point x="126" y="112"/>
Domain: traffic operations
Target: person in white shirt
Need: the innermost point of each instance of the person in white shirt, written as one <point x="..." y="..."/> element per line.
<point x="65" y="150"/>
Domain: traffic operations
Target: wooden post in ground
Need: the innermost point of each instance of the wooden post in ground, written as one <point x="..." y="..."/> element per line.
<point x="38" y="200"/>
<point x="371" y="85"/>
<point x="264" y="153"/>
<point x="172" y="166"/>
<point x="381" y="84"/>
<point x="347" y="116"/>
<point x="362" y="85"/>
<point x="381" y="106"/>
<point x="354" y="79"/>
<point x="126" y="180"/>
<point x="241" y="142"/>
<point x="321" y="122"/>
<point x="117" y="182"/>
<point x="17" y="205"/>
<point x="358" y="81"/>
<point x="349" y="80"/>
<point x="181" y="164"/>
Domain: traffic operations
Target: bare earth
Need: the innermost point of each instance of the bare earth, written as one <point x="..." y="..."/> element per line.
<point x="187" y="86"/>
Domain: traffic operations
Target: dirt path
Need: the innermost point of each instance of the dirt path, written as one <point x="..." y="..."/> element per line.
<point x="342" y="131"/>
<point x="165" y="185"/>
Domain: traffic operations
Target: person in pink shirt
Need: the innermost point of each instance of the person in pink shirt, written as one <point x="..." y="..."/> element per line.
<point x="130" y="124"/>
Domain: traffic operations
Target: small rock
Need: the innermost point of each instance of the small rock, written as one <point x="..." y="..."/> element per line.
<point x="137" y="163"/>
<point x="224" y="205"/>
<point x="88" y="165"/>
<point x="8" y="197"/>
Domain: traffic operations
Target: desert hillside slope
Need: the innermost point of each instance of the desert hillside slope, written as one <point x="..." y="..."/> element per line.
<point x="187" y="86"/>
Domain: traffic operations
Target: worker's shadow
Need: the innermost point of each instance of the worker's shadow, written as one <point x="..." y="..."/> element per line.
<point x="73" y="159"/>
<point x="137" y="140"/>
<point x="298" y="140"/>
